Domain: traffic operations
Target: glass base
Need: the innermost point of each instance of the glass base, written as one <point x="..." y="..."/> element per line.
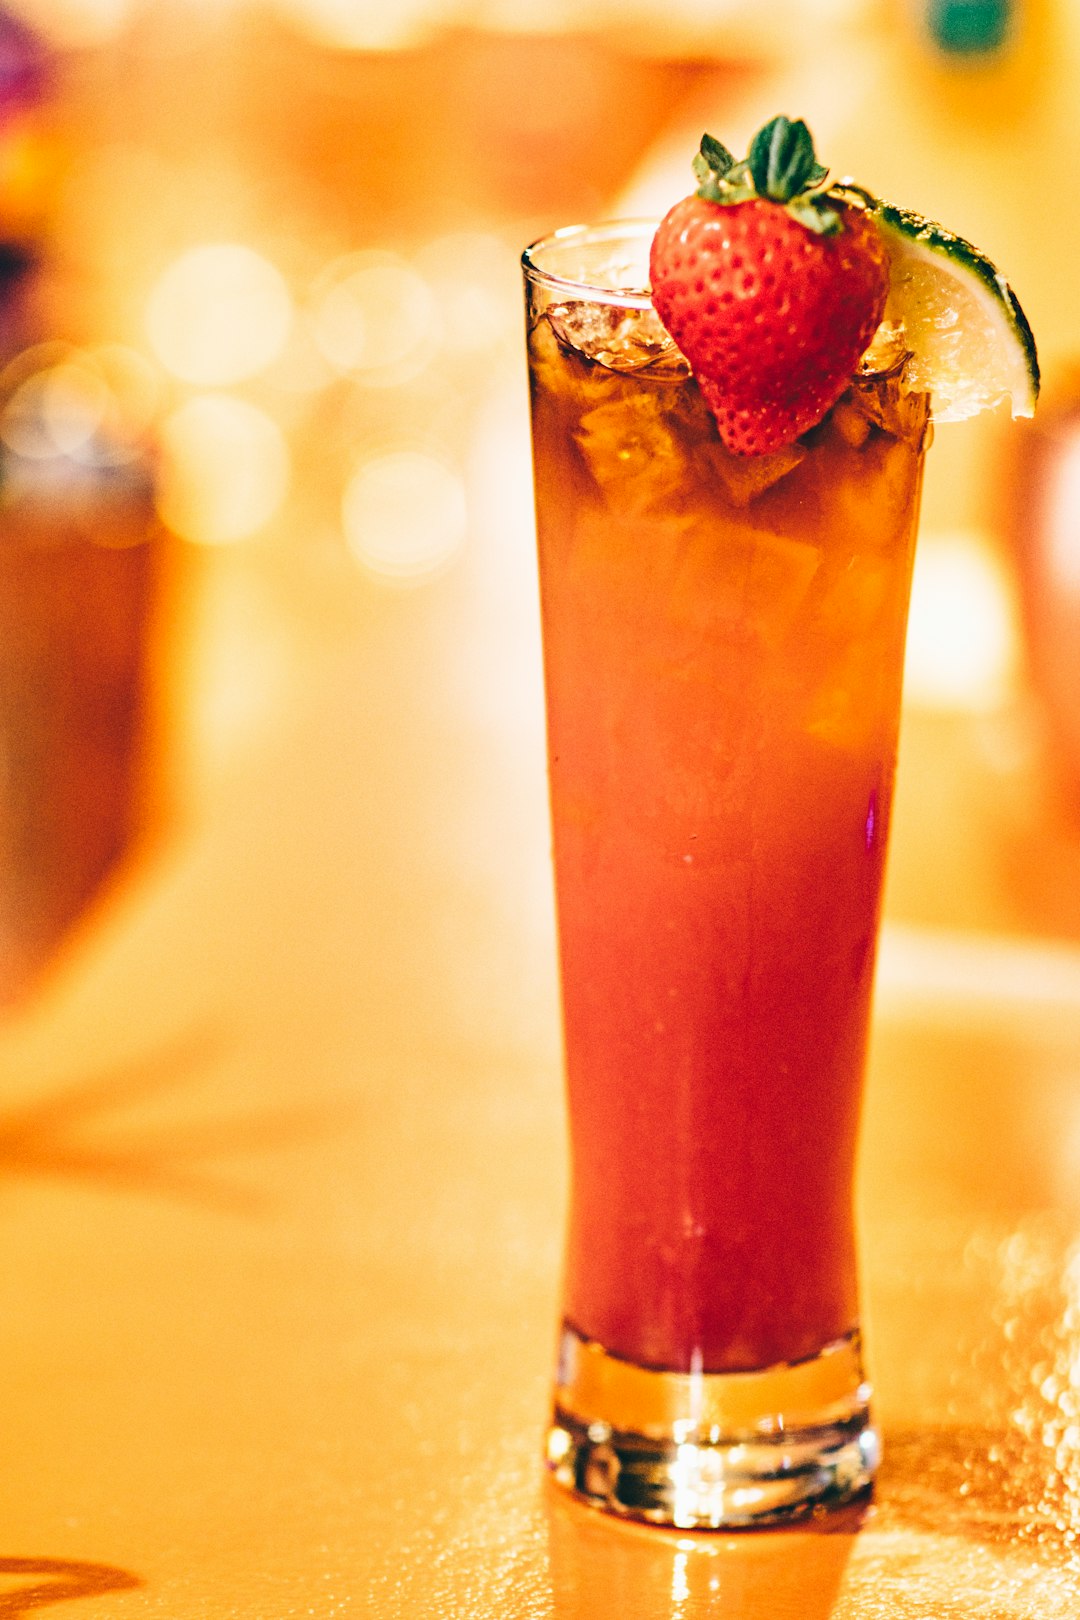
<point x="712" y="1450"/>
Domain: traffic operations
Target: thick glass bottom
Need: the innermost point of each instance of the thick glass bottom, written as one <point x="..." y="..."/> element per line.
<point x="712" y="1450"/>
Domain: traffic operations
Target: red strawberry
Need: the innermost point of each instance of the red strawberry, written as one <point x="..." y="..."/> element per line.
<point x="771" y="288"/>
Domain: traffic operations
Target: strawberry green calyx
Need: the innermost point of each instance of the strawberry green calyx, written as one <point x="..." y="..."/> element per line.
<point x="781" y="166"/>
<point x="782" y="160"/>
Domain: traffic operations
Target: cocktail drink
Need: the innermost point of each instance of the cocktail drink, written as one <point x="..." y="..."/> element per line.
<point x="81" y="573"/>
<point x="723" y="647"/>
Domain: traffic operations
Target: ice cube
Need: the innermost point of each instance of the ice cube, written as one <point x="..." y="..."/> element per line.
<point x="887" y="403"/>
<point x="745" y="478"/>
<point x="852" y="424"/>
<point x="888" y="351"/>
<point x="885" y="392"/>
<point x="745" y="585"/>
<point x="858" y="599"/>
<point x="630" y="341"/>
<point x="631" y="449"/>
<point x="781" y="573"/>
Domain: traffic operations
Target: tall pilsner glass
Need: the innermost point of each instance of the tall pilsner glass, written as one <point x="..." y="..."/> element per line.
<point x="723" y="646"/>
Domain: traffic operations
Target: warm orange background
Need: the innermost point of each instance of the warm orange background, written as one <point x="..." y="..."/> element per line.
<point x="281" y="1125"/>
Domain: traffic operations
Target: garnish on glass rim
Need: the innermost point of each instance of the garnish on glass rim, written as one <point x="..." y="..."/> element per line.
<point x="773" y="286"/>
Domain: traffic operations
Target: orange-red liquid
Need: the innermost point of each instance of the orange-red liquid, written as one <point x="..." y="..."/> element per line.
<point x="80" y="578"/>
<point x="723" y="676"/>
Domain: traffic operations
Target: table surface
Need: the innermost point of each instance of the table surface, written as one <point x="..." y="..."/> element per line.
<point x="283" y="1168"/>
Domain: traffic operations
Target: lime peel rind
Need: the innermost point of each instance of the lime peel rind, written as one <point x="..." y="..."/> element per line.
<point x="928" y="262"/>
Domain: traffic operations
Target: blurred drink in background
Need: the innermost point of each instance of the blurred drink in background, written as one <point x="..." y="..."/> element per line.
<point x="81" y="562"/>
<point x="1045" y="534"/>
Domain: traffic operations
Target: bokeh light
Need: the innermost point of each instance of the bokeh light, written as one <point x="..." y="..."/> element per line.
<point x="224" y="472"/>
<point x="1063" y="516"/>
<point x="962" y="646"/>
<point x="92" y="405"/>
<point x="57" y="410"/>
<point x="405" y="515"/>
<point x="375" y="318"/>
<point x="366" y="25"/>
<point x="68" y="403"/>
<point x="219" y="314"/>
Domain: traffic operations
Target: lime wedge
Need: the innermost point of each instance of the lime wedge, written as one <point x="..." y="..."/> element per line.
<point x="971" y="343"/>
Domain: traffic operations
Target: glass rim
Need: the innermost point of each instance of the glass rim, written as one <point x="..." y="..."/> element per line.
<point x="606" y="231"/>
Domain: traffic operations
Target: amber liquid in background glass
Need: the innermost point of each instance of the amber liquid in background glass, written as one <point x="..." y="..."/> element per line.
<point x="723" y="674"/>
<point x="81" y="568"/>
